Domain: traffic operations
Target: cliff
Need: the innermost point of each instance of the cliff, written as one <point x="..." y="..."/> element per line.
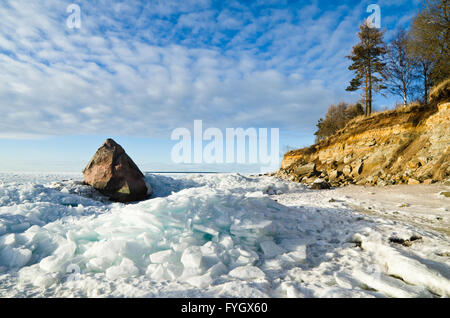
<point x="406" y="145"/>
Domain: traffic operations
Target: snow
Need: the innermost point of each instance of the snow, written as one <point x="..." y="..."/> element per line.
<point x="219" y="235"/>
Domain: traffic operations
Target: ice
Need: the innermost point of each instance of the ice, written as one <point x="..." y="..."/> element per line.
<point x="192" y="257"/>
<point x="270" y="249"/>
<point x="299" y="255"/>
<point x="156" y="272"/>
<point x="390" y="286"/>
<point x="218" y="270"/>
<point x="408" y="269"/>
<point x="202" y="281"/>
<point x="205" y="235"/>
<point x="125" y="269"/>
<point x="247" y="273"/>
<point x="204" y="229"/>
<point x="2" y="229"/>
<point x="14" y="257"/>
<point x="162" y="257"/>
<point x="226" y="242"/>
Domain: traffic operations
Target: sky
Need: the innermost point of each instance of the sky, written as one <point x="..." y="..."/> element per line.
<point x="136" y="70"/>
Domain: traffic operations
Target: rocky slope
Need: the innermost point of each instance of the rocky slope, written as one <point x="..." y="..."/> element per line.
<point x="407" y="145"/>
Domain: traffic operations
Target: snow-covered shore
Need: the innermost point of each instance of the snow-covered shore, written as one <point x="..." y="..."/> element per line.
<point x="221" y="235"/>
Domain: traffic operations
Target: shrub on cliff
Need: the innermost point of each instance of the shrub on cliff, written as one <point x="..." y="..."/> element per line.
<point x="441" y="92"/>
<point x="336" y="118"/>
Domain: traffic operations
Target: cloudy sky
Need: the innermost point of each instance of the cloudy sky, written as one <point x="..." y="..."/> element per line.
<point x="136" y="70"/>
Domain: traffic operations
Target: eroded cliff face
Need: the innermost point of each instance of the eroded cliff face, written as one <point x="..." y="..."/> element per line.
<point x="407" y="145"/>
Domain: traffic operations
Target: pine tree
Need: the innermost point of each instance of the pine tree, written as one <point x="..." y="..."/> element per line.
<point x="368" y="65"/>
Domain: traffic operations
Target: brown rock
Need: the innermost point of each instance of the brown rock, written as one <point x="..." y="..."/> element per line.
<point x="414" y="164"/>
<point x="333" y="175"/>
<point x="413" y="181"/>
<point x="112" y="172"/>
<point x="320" y="184"/>
<point x="347" y="170"/>
<point x="348" y="159"/>
<point x="306" y="170"/>
<point x="309" y="180"/>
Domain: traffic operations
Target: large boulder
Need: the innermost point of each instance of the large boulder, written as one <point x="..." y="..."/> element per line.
<point x="112" y="172"/>
<point x="307" y="170"/>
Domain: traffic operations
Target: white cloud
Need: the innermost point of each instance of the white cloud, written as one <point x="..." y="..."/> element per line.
<point x="131" y="70"/>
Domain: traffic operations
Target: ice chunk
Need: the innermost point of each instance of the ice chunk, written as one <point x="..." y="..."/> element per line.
<point x="14" y="257"/>
<point x="202" y="281"/>
<point x="217" y="270"/>
<point x="270" y="249"/>
<point x="51" y="263"/>
<point x="252" y="228"/>
<point x="2" y="229"/>
<point x="156" y="272"/>
<point x="390" y="286"/>
<point x="126" y="269"/>
<point x="207" y="230"/>
<point x="227" y="242"/>
<point x="162" y="257"/>
<point x="173" y="271"/>
<point x="247" y="273"/>
<point x="409" y="270"/>
<point x="299" y="254"/>
<point x="20" y="227"/>
<point x="192" y="257"/>
<point x="45" y="280"/>
<point x="60" y="257"/>
<point x="98" y="264"/>
<point x="32" y="274"/>
<point x="210" y="252"/>
<point x="244" y="257"/>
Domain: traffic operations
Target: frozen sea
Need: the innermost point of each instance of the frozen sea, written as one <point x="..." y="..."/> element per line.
<point x="217" y="235"/>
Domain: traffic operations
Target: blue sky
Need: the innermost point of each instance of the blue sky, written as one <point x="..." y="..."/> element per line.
<point x="136" y="70"/>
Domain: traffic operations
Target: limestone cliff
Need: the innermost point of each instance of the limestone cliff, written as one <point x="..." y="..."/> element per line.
<point x="406" y="145"/>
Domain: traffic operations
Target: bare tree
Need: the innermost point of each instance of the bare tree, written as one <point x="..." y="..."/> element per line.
<point x="400" y="72"/>
<point x="430" y="39"/>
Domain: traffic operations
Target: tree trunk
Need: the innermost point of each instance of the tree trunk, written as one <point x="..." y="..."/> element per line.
<point x="425" y="83"/>
<point x="366" y="96"/>
<point x="403" y="80"/>
<point x="370" y="87"/>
